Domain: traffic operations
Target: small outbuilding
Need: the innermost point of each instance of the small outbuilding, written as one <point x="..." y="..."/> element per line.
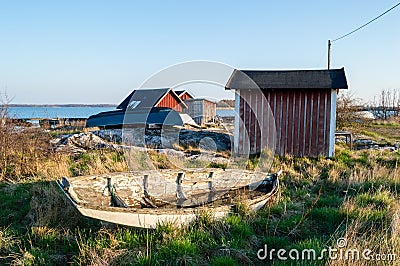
<point x="299" y="104"/>
<point x="201" y="110"/>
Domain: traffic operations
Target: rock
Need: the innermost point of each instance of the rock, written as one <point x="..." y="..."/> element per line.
<point x="168" y="138"/>
<point x="80" y="143"/>
<point x="171" y="141"/>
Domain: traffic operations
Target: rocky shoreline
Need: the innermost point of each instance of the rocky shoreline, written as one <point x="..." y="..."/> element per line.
<point x="190" y="144"/>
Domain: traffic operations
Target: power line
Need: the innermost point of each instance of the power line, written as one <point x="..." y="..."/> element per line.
<point x="359" y="28"/>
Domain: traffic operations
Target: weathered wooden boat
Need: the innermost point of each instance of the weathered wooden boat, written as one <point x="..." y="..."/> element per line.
<point x="147" y="198"/>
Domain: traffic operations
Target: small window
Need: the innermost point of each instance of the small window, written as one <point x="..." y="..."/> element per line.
<point x="133" y="104"/>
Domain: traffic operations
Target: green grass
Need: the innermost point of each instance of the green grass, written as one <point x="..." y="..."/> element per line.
<point x="14" y="204"/>
<point x="223" y="261"/>
<point x="57" y="133"/>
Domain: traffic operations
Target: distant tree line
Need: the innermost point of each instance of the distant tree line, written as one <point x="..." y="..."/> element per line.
<point x="387" y="104"/>
<point x="349" y="108"/>
<point x="226" y="104"/>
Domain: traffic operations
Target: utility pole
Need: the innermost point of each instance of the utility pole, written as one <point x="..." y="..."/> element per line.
<point x="329" y="54"/>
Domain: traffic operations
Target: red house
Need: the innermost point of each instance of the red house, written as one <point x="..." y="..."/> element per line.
<point x="184" y="94"/>
<point x="149" y="98"/>
<point x="299" y="104"/>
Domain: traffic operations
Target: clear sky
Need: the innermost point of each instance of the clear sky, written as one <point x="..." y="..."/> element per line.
<point x="98" y="51"/>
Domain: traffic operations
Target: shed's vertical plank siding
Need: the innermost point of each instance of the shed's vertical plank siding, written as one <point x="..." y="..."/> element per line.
<point x="296" y="120"/>
<point x="328" y="121"/>
<point x="278" y="120"/>
<point x="265" y="127"/>
<point x="284" y="119"/>
<point x="314" y="123"/>
<point x="170" y="102"/>
<point x="241" y="122"/>
<point x="289" y="128"/>
<point x="252" y="133"/>
<point x="237" y="122"/>
<point x="321" y="122"/>
<point x="307" y="123"/>
<point x="273" y="109"/>
<point x="302" y="123"/>
<point x="258" y="121"/>
<point x="256" y="98"/>
<point x="302" y="119"/>
<point x="247" y="138"/>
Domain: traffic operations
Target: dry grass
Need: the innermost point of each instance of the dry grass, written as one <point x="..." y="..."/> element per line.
<point x="7" y="240"/>
<point x="48" y="207"/>
<point x="372" y="230"/>
<point x="365" y="186"/>
<point x="22" y="151"/>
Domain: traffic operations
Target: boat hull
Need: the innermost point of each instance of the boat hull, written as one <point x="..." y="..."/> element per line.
<point x="151" y="217"/>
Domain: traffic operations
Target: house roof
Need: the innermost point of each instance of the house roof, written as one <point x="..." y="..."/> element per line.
<point x="146" y="98"/>
<point x="288" y="79"/>
<point x="181" y="92"/>
<point x="201" y="100"/>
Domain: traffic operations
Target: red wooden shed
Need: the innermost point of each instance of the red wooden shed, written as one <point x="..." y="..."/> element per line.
<point x="302" y="103"/>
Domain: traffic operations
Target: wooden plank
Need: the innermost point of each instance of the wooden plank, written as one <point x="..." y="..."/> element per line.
<point x="328" y="122"/>
<point x="246" y="124"/>
<point x="241" y="125"/>
<point x="268" y="120"/>
<point x="321" y="119"/>
<point x="259" y="120"/>
<point x="290" y="123"/>
<point x="326" y="113"/>
<point x="272" y="101"/>
<point x="314" y="124"/>
<point x="284" y="120"/>
<point x="278" y="122"/>
<point x="269" y="123"/>
<point x="307" y="120"/>
<point x="296" y="123"/>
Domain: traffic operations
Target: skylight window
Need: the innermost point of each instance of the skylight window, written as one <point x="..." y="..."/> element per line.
<point x="133" y="104"/>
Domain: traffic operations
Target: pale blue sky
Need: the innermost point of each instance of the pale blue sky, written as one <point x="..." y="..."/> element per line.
<point x="98" y="51"/>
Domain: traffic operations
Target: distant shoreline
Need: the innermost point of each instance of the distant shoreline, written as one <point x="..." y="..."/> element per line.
<point x="59" y="105"/>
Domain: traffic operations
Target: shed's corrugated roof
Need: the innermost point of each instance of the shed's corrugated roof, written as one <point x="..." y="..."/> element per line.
<point x="147" y="98"/>
<point x="288" y="79"/>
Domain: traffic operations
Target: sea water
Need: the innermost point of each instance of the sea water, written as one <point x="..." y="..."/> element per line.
<point x="55" y="112"/>
<point x="73" y="112"/>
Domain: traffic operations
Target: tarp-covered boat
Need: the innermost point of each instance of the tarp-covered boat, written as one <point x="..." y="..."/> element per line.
<point x="137" y="116"/>
<point x="147" y="198"/>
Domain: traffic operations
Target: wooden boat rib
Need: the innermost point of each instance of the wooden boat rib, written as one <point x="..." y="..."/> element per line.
<point x="147" y="198"/>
